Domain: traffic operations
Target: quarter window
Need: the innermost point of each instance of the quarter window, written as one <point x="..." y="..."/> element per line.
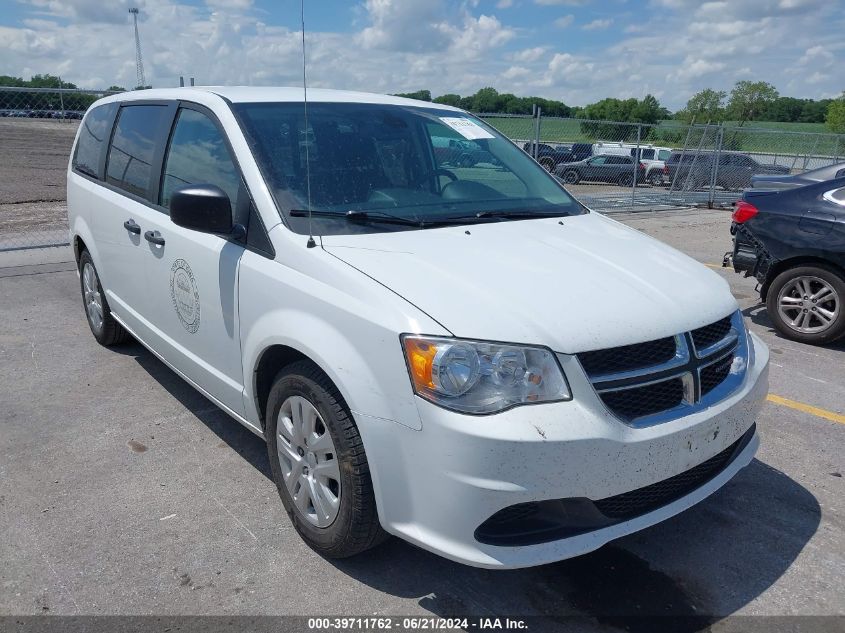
<point x="89" y="147"/>
<point x="198" y="154"/>
<point x="132" y="147"/>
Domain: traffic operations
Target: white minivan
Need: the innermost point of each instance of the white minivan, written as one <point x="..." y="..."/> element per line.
<point x="464" y="357"/>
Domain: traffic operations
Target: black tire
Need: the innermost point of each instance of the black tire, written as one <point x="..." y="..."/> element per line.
<point x="547" y="163"/>
<point x="356" y="527"/>
<point x="829" y="275"/>
<point x="110" y="332"/>
<point x="571" y="177"/>
<point x="655" y="180"/>
<point x="626" y="180"/>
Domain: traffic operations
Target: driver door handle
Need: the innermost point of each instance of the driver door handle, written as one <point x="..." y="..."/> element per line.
<point x="154" y="237"/>
<point x="132" y="227"/>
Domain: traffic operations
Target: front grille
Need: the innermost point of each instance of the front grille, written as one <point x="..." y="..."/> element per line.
<point x="713" y="375"/>
<point x="619" y="359"/>
<point x="636" y="502"/>
<point x="514" y="513"/>
<point x="648" y="400"/>
<point x="706" y="336"/>
<point x="641" y="382"/>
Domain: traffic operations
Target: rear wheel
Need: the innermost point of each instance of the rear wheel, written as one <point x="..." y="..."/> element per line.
<point x="571" y="177"/>
<point x="105" y="329"/>
<point x="805" y="304"/>
<point x="626" y="180"/>
<point x="547" y="163"/>
<point x="655" y="179"/>
<point x="319" y="465"/>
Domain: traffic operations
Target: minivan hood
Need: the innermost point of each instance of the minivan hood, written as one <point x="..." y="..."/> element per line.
<point x="572" y="284"/>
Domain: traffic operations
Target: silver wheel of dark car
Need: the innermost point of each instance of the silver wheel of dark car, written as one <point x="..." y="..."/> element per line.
<point x="805" y="303"/>
<point x="809" y="304"/>
<point x="571" y="177"/>
<point x="547" y="163"/>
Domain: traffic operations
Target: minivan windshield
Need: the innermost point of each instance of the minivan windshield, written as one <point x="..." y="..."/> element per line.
<point x="374" y="167"/>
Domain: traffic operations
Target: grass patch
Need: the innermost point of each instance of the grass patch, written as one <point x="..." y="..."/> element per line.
<point x="772" y="137"/>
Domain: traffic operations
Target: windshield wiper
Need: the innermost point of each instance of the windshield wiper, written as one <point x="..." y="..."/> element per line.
<point x="359" y="216"/>
<point x="509" y="215"/>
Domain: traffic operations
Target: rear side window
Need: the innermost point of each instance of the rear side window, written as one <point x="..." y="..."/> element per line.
<point x="198" y="154"/>
<point x="133" y="145"/>
<point x="663" y="154"/>
<point x="92" y="136"/>
<point x="647" y="154"/>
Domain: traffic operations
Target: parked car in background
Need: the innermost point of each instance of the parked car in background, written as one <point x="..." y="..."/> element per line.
<point x="783" y="181"/>
<point x="605" y="168"/>
<point x="793" y="242"/>
<point x="551" y="156"/>
<point x="693" y="170"/>
<point x="460" y="153"/>
<point x="652" y="156"/>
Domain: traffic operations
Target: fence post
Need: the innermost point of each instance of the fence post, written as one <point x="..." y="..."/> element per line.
<point x="537" y="132"/>
<point x="62" y="98"/>
<point x="681" y="159"/>
<point x="720" y="132"/>
<point x="636" y="164"/>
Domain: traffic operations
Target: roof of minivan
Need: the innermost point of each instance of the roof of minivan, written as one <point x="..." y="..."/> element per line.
<point x="249" y="94"/>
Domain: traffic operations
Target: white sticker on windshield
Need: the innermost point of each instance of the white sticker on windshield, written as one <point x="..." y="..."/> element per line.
<point x="466" y="128"/>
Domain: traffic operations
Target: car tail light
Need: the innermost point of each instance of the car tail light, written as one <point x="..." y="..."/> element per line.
<point x="743" y="212"/>
<point x="642" y="165"/>
<point x="665" y="169"/>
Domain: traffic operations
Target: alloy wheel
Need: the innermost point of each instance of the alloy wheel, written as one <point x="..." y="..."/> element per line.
<point x="809" y="304"/>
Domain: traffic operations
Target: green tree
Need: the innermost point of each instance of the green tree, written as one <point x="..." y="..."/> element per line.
<point x="835" y="117"/>
<point x="449" y="99"/>
<point x="648" y="110"/>
<point x="485" y="100"/>
<point x="749" y="99"/>
<point x="116" y="89"/>
<point x="704" y="106"/>
<point x="420" y="95"/>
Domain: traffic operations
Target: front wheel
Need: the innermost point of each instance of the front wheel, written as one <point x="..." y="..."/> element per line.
<point x="626" y="180"/>
<point x="318" y="463"/>
<point x="805" y="304"/>
<point x="547" y="163"/>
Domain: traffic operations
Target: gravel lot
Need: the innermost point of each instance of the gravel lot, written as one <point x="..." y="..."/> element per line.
<point x="124" y="491"/>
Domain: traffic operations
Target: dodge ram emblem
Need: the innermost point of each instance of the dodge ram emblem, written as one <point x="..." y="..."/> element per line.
<point x="185" y="296"/>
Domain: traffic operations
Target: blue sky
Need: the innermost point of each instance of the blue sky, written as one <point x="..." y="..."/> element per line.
<point x="575" y="50"/>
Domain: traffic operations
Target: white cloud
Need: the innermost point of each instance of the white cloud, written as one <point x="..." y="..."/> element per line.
<point x="504" y="4"/>
<point x="672" y="48"/>
<point x="597" y="25"/>
<point x="530" y="54"/>
<point x="561" y="3"/>
<point x="565" y="21"/>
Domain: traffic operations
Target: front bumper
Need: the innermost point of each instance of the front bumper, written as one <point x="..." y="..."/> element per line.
<point x="435" y="487"/>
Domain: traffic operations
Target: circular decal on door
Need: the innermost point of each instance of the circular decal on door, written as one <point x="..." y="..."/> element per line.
<point x="186" y="297"/>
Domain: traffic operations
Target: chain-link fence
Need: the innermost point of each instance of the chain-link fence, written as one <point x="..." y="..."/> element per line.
<point x="619" y="166"/>
<point x="608" y="165"/>
<point x="37" y="127"/>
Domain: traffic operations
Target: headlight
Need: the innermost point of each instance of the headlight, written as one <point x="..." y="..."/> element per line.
<point x="478" y="377"/>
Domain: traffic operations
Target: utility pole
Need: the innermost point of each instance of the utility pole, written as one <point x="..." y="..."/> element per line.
<point x="139" y="62"/>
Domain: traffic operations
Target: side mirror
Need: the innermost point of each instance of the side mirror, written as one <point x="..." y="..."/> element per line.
<point x="204" y="208"/>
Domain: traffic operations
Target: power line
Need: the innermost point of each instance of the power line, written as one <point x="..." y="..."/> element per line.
<point x="139" y="62"/>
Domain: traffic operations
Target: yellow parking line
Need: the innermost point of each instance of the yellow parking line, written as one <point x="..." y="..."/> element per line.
<point x="807" y="408"/>
<point x="714" y="265"/>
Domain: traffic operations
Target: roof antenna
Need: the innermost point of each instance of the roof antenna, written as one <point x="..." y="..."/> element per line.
<point x="310" y="243"/>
